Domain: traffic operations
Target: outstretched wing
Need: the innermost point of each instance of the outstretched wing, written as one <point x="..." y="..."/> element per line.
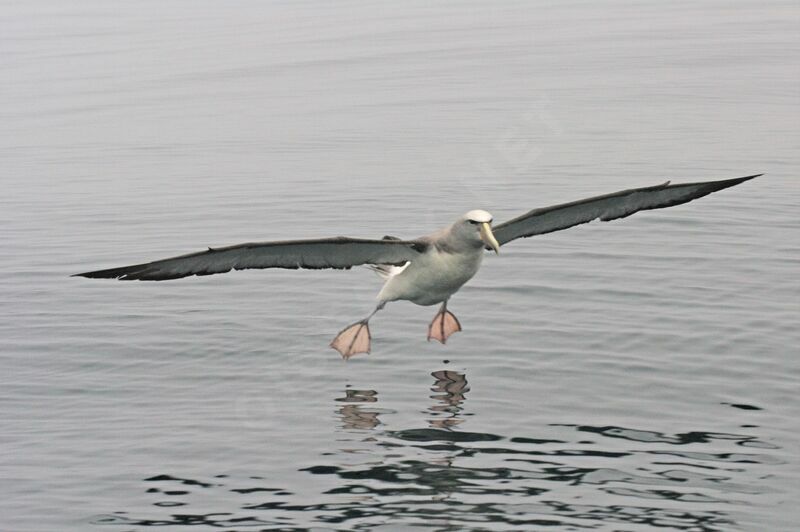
<point x="606" y="208"/>
<point x="340" y="253"/>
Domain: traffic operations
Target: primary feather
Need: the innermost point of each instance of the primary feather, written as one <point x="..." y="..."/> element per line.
<point x="607" y="207"/>
<point x="340" y="253"/>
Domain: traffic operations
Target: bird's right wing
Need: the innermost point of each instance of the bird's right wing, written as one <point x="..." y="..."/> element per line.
<point x="340" y="253"/>
<point x="606" y="208"/>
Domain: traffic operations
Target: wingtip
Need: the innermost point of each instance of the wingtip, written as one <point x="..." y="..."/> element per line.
<point x="737" y="180"/>
<point x="100" y="274"/>
<point x="722" y="183"/>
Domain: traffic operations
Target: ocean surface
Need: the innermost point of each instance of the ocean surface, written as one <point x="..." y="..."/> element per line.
<point x="637" y="375"/>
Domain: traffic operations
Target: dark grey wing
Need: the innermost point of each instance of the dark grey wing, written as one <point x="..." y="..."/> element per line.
<point x="606" y="208"/>
<point x="340" y="253"/>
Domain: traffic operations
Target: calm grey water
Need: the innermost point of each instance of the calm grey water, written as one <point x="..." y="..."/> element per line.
<point x="636" y="375"/>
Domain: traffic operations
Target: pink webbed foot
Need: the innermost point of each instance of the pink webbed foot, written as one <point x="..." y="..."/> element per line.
<point x="353" y="339"/>
<point x="443" y="325"/>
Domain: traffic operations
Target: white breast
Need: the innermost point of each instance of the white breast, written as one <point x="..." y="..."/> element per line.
<point x="432" y="278"/>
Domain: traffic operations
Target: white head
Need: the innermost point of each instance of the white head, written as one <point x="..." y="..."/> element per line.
<point x="477" y="225"/>
<point x="478" y="216"/>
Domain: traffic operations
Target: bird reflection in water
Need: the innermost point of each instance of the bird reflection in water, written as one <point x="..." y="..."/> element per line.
<point x="353" y="414"/>
<point x="450" y="387"/>
<point x="441" y="475"/>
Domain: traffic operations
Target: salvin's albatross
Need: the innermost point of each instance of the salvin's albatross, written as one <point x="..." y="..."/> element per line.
<point x="426" y="270"/>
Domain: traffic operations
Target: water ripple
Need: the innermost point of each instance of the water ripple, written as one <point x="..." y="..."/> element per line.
<point x="440" y="475"/>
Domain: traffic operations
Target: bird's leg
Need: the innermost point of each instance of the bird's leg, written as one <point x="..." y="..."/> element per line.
<point x="443" y="325"/>
<point x="355" y="338"/>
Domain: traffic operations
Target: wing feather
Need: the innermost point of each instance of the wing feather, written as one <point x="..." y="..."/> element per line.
<point x="606" y="208"/>
<point x="339" y="253"/>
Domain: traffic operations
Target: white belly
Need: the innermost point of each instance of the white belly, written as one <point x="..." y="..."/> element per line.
<point x="433" y="277"/>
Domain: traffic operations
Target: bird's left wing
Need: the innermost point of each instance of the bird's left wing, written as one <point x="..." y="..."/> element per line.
<point x="606" y="208"/>
<point x="339" y="252"/>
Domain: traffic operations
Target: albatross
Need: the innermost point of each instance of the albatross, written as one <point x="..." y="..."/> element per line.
<point x="427" y="270"/>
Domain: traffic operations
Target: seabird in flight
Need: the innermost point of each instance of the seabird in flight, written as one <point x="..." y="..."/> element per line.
<point x="426" y="270"/>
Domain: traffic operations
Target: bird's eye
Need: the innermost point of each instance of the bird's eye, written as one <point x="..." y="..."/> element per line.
<point x="473" y="222"/>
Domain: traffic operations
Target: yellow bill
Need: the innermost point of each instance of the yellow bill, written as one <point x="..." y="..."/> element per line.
<point x="488" y="237"/>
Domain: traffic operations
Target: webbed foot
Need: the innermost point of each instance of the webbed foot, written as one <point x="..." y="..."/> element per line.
<point x="443" y="325"/>
<point x="353" y="339"/>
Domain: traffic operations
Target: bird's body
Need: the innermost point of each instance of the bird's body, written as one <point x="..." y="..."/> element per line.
<point x="433" y="279"/>
<point x="426" y="270"/>
<point x="445" y="266"/>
